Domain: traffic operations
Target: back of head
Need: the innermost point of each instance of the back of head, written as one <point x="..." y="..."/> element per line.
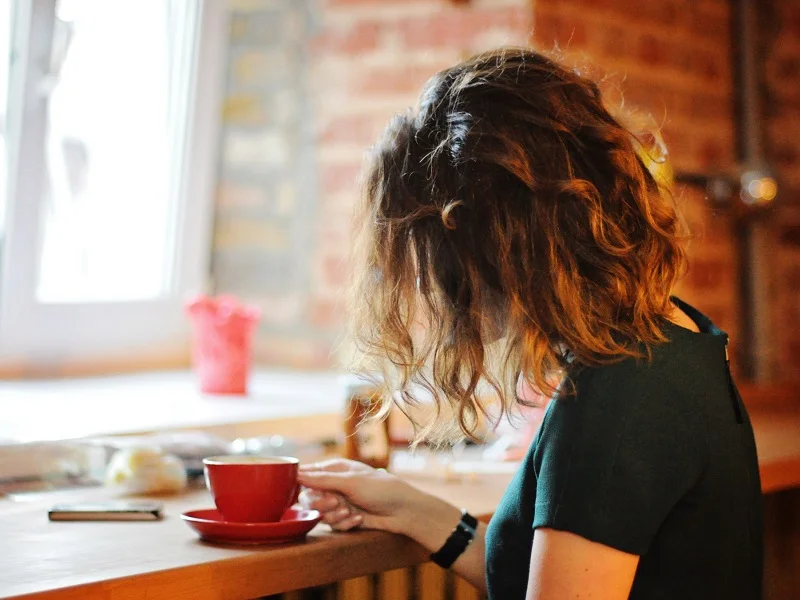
<point x="510" y="205"/>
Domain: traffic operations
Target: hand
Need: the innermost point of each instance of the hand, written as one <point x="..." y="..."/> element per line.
<point x="350" y="494"/>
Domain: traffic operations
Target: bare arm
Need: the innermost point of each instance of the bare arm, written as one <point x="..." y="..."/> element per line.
<point x="433" y="522"/>
<point x="565" y="566"/>
<point x="352" y="495"/>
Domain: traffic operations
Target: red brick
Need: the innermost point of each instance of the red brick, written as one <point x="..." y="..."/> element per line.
<point x="334" y="271"/>
<point x="720" y="315"/>
<point x="681" y="56"/>
<point x="403" y="80"/>
<point x="358" y="129"/>
<point x="333" y="4"/>
<point x="791" y="277"/>
<point x="790" y="236"/>
<point x="513" y="18"/>
<point x="719" y="229"/>
<point x="786" y="155"/>
<point x="548" y="29"/>
<point x="455" y="28"/>
<point x="679" y="143"/>
<point x="790" y="24"/>
<point x="325" y="314"/>
<point x="788" y="68"/>
<point x="710" y="68"/>
<point x="705" y="107"/>
<point x="708" y="24"/>
<point x="566" y="32"/>
<point x="643" y="95"/>
<point x="612" y="40"/>
<point x="333" y="239"/>
<point x="575" y="35"/>
<point x="426" y="32"/>
<point x="335" y="177"/>
<point x="651" y="51"/>
<point x="597" y="5"/>
<point x="363" y="36"/>
<point x="662" y="12"/>
<point x="711" y="152"/>
<point x="787" y="105"/>
<point x="706" y="274"/>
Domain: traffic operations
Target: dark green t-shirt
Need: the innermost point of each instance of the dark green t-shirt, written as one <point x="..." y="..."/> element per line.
<point x="655" y="458"/>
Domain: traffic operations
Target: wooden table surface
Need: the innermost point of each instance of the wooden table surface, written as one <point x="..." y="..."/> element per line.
<point x="778" y="441"/>
<point x="165" y="560"/>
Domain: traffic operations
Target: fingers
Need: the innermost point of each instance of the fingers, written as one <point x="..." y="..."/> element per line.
<point x="321" y="501"/>
<point x="337" y="465"/>
<point x="334" y="465"/>
<point x="338" y="513"/>
<point x="352" y="522"/>
<point x="322" y="480"/>
<point x="335" y="511"/>
<point x="343" y="519"/>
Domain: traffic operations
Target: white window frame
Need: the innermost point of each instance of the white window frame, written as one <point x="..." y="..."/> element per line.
<point x="38" y="338"/>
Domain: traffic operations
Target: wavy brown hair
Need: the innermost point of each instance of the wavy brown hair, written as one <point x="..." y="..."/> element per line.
<point x="510" y="204"/>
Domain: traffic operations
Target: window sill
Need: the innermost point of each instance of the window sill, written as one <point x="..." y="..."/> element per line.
<point x="47" y="410"/>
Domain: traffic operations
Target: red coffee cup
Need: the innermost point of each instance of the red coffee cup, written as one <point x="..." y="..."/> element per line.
<point x="252" y="489"/>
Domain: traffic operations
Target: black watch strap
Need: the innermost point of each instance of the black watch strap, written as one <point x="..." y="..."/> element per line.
<point x="458" y="541"/>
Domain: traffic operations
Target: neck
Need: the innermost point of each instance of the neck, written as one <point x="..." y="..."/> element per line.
<point x="681" y="319"/>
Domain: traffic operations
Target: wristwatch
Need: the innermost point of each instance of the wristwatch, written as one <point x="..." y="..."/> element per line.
<point x="458" y="541"/>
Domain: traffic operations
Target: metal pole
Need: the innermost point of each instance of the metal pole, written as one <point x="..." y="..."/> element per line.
<point x="755" y="360"/>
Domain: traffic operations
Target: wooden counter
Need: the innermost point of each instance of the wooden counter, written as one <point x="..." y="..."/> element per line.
<point x="165" y="560"/>
<point x="778" y="440"/>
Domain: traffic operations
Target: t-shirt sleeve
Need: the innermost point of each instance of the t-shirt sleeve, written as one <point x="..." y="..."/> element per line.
<point x="615" y="458"/>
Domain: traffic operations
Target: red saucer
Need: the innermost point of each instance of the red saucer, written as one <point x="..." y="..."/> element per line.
<point x="294" y="525"/>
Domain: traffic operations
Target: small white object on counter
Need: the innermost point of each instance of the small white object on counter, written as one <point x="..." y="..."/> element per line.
<point x="145" y="471"/>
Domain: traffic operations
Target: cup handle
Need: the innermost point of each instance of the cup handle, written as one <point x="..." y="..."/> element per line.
<point x="296" y="497"/>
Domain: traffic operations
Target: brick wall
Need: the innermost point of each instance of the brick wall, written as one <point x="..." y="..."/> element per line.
<point x="312" y="83"/>
<point x="668" y="59"/>
<point x="781" y="69"/>
<point x="369" y="60"/>
<point x="267" y="194"/>
<point x="671" y="60"/>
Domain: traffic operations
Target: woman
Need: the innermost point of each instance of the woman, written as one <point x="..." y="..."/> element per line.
<point x="513" y="216"/>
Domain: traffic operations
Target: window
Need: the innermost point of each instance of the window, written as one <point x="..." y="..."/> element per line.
<point x="111" y="111"/>
<point x="5" y="49"/>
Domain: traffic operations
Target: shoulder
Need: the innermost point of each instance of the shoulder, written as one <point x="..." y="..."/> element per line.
<point x="638" y="404"/>
<point x="629" y="387"/>
<point x="667" y="382"/>
<point x="615" y="456"/>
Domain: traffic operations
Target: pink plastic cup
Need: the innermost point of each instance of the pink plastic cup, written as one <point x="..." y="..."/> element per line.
<point x="222" y="343"/>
